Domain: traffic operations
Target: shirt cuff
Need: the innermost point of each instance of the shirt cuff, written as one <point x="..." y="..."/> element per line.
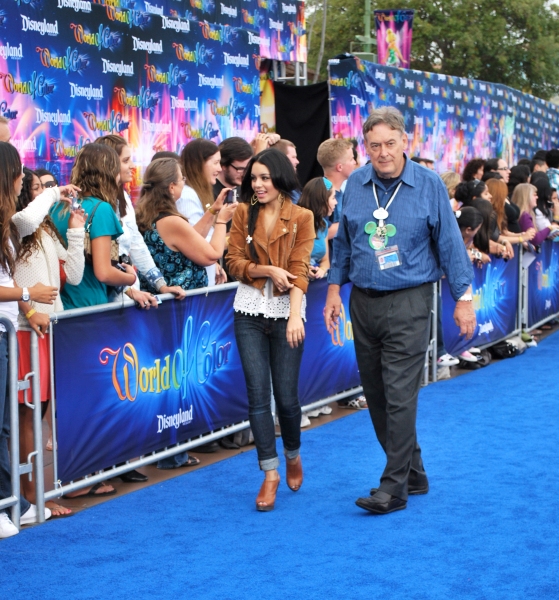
<point x="337" y="276"/>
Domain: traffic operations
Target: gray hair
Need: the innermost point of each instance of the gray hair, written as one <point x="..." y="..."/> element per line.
<point x="386" y="114"/>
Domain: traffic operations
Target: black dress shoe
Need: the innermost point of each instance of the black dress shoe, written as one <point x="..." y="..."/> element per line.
<point x="133" y="477"/>
<point x="208" y="448"/>
<point x="413" y="489"/>
<point x="381" y="508"/>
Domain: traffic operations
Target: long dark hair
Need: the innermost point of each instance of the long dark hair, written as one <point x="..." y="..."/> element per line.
<point x="283" y="178"/>
<point x="10" y="171"/>
<point x="117" y="143"/>
<point x="315" y="197"/>
<point x="541" y="183"/>
<point x="95" y="171"/>
<point x="468" y="190"/>
<point x="155" y="197"/>
<point x="193" y="157"/>
<point x="469" y="217"/>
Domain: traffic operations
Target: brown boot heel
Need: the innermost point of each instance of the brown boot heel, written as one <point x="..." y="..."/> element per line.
<point x="266" y="498"/>
<point x="295" y="474"/>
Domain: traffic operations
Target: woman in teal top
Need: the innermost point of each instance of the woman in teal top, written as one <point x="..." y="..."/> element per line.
<point x="319" y="196"/>
<point x="96" y="173"/>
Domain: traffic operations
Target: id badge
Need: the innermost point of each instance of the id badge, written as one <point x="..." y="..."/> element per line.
<point x="388" y="258"/>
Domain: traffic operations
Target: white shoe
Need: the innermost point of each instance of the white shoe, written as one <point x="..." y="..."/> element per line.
<point x="326" y="410"/>
<point x="474" y="350"/>
<point x="468" y="356"/>
<point x="305" y="421"/>
<point x="30" y="515"/>
<point x="447" y="360"/>
<point x="7" y="528"/>
<point x="313" y="414"/>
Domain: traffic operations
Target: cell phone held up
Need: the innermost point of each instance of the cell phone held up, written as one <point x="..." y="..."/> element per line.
<point x="231" y="196"/>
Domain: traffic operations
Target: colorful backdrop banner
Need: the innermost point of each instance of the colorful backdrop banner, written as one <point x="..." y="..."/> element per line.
<point x="394" y="33"/>
<point x="495" y="290"/>
<point x="130" y="382"/>
<point x="543" y="284"/>
<point x="448" y="119"/>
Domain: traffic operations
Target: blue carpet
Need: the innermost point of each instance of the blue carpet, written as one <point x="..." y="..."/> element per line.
<point x="488" y="529"/>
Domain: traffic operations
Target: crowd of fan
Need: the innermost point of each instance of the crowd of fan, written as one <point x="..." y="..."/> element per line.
<point x="88" y="241"/>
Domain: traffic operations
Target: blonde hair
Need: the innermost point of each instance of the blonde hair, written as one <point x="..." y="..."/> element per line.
<point x="330" y="152"/>
<point x="521" y="197"/>
<point x="451" y="180"/>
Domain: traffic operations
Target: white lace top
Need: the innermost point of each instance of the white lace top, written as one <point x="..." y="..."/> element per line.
<point x="252" y="301"/>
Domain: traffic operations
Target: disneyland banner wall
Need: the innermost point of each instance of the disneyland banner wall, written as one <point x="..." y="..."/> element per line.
<point x="394" y="33"/>
<point x="543" y="284"/>
<point x="495" y="297"/>
<point x="130" y="382"/>
<point x="448" y="119"/>
<point x="160" y="74"/>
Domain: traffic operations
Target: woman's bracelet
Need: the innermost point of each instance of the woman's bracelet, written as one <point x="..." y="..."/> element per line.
<point x="521" y="239"/>
<point x="294" y="314"/>
<point x="220" y="223"/>
<point x="213" y="211"/>
<point x="30" y="314"/>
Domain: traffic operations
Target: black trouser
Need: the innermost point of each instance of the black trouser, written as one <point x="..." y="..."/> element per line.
<point x="391" y="337"/>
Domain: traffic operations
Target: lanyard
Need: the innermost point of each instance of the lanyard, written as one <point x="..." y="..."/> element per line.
<point x="382" y="213"/>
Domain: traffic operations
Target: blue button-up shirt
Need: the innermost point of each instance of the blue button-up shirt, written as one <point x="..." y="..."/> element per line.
<point x="427" y="234"/>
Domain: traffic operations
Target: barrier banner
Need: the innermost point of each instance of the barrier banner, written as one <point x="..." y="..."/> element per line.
<point x="130" y="382"/>
<point x="448" y="119"/>
<point x="329" y="365"/>
<point x="543" y="284"/>
<point x="394" y="33"/>
<point x="495" y="292"/>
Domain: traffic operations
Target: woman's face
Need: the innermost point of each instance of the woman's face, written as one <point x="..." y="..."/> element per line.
<point x="47" y="181"/>
<point x="468" y="235"/>
<point x="479" y="173"/>
<point x="262" y="184"/>
<point x="212" y="168"/>
<point x="332" y="202"/>
<point x="486" y="195"/>
<point x="554" y="198"/>
<point x="36" y="187"/>
<point x="177" y="186"/>
<point x="18" y="184"/>
<point x="534" y="200"/>
<point x="126" y="165"/>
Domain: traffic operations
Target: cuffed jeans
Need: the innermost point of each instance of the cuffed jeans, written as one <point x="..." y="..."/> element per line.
<point x="5" y="471"/>
<point x="391" y="337"/>
<point x="264" y="351"/>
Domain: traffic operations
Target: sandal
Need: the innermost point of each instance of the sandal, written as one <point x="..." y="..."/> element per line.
<point x="266" y="499"/>
<point x="93" y="492"/>
<point x="294" y="474"/>
<point x="356" y="404"/>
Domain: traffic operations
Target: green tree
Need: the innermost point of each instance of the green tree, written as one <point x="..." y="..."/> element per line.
<point x="513" y="42"/>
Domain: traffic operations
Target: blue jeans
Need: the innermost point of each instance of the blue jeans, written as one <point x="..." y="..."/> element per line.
<point x="5" y="471"/>
<point x="264" y="351"/>
<point x="172" y="462"/>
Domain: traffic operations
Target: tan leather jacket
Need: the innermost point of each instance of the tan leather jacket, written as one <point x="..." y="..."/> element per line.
<point x="289" y="247"/>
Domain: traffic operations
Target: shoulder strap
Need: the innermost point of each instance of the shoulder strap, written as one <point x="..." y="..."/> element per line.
<point x="90" y="218"/>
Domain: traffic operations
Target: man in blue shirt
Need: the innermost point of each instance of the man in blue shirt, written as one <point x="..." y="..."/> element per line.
<point x="397" y="236"/>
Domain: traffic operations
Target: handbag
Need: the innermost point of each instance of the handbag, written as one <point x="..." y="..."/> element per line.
<point x="87" y="241"/>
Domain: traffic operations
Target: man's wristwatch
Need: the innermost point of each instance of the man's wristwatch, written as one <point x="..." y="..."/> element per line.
<point x="467" y="297"/>
<point x="25" y="295"/>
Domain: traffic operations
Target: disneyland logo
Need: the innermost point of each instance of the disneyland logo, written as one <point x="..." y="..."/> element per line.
<point x="463" y="81"/>
<point x="15" y="52"/>
<point x="77" y="5"/>
<point x="89" y="92"/>
<point x="400" y="99"/>
<point x="41" y="27"/>
<point x="183" y="417"/>
<point x="482" y="87"/>
<point x="277" y="25"/>
<point x="370" y="89"/>
<point x="119" y="68"/>
<point x="381" y="76"/>
<point x="450" y="109"/>
<point x="230" y="11"/>
<point x="24" y="146"/>
<point x="341" y="119"/>
<point x="149" y="127"/>
<point x="175" y="24"/>
<point x="289" y="9"/>
<point x="486" y="327"/>
<point x="477" y="100"/>
<point x="149" y="47"/>
<point x="427" y="105"/>
<point x="408" y="85"/>
<point x="418" y="120"/>
<point x="238" y="60"/>
<point x="184" y="103"/>
<point x="469" y="113"/>
<point x="357" y="101"/>
<point x="435" y="91"/>
<point x="255" y="39"/>
<point x="213" y="82"/>
<point x="56" y="118"/>
<point x="457" y="95"/>
<point x="153" y="8"/>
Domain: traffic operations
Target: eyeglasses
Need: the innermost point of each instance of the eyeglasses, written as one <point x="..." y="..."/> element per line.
<point x="49" y="184"/>
<point x="238" y="169"/>
<point x="503" y="169"/>
<point x="183" y="179"/>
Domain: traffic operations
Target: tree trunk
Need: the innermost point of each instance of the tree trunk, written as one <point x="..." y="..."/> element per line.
<point x="322" y="40"/>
